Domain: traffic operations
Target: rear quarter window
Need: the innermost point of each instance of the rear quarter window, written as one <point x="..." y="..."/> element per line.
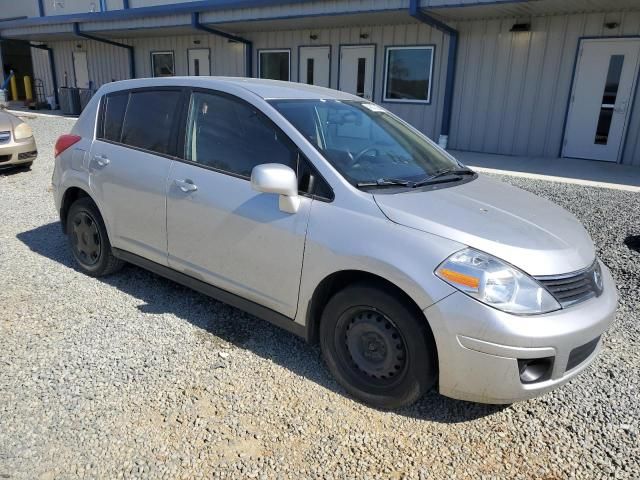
<point x="114" y="108"/>
<point x="149" y="118"/>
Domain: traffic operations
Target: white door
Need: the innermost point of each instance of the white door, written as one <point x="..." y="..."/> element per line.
<point x="356" y="70"/>
<point x="199" y="61"/>
<point x="601" y="99"/>
<point x="314" y="66"/>
<point x="81" y="69"/>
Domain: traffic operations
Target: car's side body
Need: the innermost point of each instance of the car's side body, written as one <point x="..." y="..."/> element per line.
<point x="359" y="221"/>
<point x="210" y="230"/>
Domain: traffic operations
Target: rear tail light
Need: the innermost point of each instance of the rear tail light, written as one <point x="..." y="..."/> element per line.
<point x="64" y="142"/>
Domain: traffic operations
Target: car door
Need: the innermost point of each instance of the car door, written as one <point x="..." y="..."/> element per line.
<point x="129" y="165"/>
<point x="219" y="229"/>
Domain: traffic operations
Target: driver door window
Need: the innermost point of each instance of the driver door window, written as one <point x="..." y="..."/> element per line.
<point x="232" y="136"/>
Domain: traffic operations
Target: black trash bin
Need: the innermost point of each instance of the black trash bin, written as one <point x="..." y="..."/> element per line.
<point x="70" y="100"/>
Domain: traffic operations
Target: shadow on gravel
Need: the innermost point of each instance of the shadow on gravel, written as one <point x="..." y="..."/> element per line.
<point x="10" y="171"/>
<point x="244" y="331"/>
<point x="633" y="242"/>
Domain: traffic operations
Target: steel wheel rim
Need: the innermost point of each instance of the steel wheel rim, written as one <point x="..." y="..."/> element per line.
<point x="373" y="347"/>
<point x="85" y="237"/>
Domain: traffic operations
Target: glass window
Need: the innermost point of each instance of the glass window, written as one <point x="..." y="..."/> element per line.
<point x="609" y="99"/>
<point x="408" y="74"/>
<point x="114" y="108"/>
<point x="163" y="64"/>
<point x="364" y="142"/>
<point x="274" y="64"/>
<point x="149" y="119"/>
<point x="231" y="135"/>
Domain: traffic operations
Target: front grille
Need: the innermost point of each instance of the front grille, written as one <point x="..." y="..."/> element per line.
<point x="26" y="155"/>
<point x="5" y="137"/>
<point x="5" y="158"/>
<point x="581" y="353"/>
<point x="574" y="287"/>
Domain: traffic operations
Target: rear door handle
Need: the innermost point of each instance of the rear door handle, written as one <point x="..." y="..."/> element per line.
<point x="186" y="185"/>
<point x="101" y="160"/>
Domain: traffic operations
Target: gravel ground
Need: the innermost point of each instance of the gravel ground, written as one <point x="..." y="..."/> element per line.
<point x="135" y="376"/>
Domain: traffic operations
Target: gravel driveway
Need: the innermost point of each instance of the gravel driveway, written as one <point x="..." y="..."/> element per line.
<point x="136" y="376"/>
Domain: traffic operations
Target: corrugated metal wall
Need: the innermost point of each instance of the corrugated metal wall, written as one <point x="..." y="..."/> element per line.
<point x="425" y="117"/>
<point x="107" y="63"/>
<point x="226" y="58"/>
<point x="512" y="89"/>
<point x="41" y="70"/>
<point x="322" y="7"/>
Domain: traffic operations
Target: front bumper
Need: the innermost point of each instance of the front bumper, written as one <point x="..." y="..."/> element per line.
<point x="479" y="346"/>
<point x="14" y="153"/>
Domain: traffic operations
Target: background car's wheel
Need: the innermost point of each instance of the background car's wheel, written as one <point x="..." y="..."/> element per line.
<point x="88" y="239"/>
<point x="377" y="346"/>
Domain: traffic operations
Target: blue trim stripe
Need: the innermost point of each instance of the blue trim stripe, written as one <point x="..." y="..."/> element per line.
<point x="416" y="12"/>
<point x="132" y="13"/>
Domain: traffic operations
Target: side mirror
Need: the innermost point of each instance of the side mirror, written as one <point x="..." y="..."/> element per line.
<point x="279" y="179"/>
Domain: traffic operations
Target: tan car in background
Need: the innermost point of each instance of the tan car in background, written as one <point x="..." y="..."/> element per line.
<point x="17" y="145"/>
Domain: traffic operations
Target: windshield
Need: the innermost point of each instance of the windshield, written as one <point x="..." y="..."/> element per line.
<point x="364" y="142"/>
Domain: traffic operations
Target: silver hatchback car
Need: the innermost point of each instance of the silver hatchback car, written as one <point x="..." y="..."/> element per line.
<point x="332" y="218"/>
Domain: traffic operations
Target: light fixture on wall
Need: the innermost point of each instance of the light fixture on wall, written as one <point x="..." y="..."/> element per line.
<point x="364" y="36"/>
<point x="611" y="25"/>
<point x="78" y="45"/>
<point x="196" y="42"/>
<point x="521" y="27"/>
<point x="313" y="36"/>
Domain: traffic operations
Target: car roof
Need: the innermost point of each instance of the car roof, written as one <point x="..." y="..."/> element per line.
<point x="266" y="89"/>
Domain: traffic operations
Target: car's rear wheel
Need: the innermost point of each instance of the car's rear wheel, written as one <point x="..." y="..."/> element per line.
<point x="378" y="346"/>
<point x="89" y="241"/>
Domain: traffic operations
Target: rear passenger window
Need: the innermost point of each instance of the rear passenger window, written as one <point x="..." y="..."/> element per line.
<point x="114" y="108"/>
<point x="149" y="119"/>
<point x="231" y="135"/>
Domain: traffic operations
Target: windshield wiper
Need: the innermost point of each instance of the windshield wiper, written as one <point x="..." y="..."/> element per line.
<point x="456" y="172"/>
<point x="385" y="182"/>
<point x="388" y="182"/>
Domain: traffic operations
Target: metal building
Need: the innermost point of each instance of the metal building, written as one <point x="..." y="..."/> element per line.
<point x="554" y="78"/>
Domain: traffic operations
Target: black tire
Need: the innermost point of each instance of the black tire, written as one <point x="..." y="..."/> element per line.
<point x="88" y="239"/>
<point x="378" y="346"/>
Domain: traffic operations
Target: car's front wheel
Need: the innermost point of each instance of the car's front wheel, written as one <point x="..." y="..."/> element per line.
<point x="378" y="346"/>
<point x="88" y="239"/>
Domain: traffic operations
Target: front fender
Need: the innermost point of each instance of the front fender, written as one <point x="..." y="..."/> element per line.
<point x="341" y="239"/>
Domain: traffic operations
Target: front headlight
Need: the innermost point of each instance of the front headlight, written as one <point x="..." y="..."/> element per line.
<point x="22" y="131"/>
<point x="495" y="283"/>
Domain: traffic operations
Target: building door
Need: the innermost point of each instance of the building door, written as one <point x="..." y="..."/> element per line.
<point x="199" y="61"/>
<point x="80" y="69"/>
<point x="601" y="100"/>
<point x="314" y="66"/>
<point x="356" y="70"/>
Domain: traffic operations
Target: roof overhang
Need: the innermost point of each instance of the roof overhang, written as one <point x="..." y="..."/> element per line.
<point x="458" y="11"/>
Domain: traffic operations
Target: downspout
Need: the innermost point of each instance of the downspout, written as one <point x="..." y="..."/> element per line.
<point x="52" y="66"/>
<point x="41" y="8"/>
<point x="132" y="63"/>
<point x="195" y="23"/>
<point x="125" y="4"/>
<point x="447" y="109"/>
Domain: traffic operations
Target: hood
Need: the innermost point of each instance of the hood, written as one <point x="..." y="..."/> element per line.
<point x="527" y="231"/>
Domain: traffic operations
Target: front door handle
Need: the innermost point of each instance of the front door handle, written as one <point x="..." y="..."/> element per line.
<point x="101" y="160"/>
<point x="186" y="185"/>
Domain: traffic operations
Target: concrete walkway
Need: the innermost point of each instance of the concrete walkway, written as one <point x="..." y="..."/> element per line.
<point x="567" y="170"/>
